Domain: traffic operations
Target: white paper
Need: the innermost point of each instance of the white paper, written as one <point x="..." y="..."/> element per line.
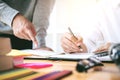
<point x="40" y="52"/>
<point x="54" y="55"/>
<point x="75" y="56"/>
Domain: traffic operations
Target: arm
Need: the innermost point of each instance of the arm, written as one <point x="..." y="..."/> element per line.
<point x="22" y="28"/>
<point x="41" y="16"/>
<point x="7" y="13"/>
<point x="94" y="39"/>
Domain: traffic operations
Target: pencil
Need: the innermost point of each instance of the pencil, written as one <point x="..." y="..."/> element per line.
<point x="72" y="34"/>
<point x="74" y="37"/>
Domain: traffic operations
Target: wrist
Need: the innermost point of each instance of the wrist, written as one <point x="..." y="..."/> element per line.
<point x="16" y="17"/>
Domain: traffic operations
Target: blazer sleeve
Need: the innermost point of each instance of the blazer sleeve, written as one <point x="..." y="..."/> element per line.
<point x="41" y="16"/>
<point x="7" y="13"/>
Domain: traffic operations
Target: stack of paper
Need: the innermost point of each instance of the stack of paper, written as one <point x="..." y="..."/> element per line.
<point x="18" y="56"/>
<point x="50" y="55"/>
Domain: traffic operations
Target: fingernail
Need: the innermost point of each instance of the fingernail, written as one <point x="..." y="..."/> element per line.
<point x="81" y="49"/>
<point x="36" y="44"/>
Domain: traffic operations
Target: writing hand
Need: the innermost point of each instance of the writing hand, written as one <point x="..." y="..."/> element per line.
<point x="70" y="45"/>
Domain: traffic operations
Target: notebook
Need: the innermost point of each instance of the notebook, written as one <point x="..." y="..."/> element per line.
<point x="50" y="55"/>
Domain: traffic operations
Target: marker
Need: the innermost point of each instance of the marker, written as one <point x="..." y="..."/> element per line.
<point x="57" y="75"/>
<point x="74" y="37"/>
<point x="15" y="74"/>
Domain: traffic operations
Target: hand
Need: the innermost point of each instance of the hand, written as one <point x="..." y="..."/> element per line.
<point x="104" y="47"/>
<point x="24" y="29"/>
<point x="70" y="45"/>
<point x="44" y="48"/>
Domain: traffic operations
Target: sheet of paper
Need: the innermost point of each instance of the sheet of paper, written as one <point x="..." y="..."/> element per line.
<point x="15" y="53"/>
<point x="43" y="53"/>
<point x="75" y="56"/>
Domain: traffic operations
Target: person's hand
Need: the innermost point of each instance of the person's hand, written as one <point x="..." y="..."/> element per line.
<point x="102" y="48"/>
<point x="44" y="48"/>
<point x="24" y="29"/>
<point x="70" y="45"/>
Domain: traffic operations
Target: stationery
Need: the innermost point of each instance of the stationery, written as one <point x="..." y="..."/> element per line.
<point x="57" y="75"/>
<point x="17" y="56"/>
<point x="15" y="74"/>
<point x="34" y="65"/>
<point x="18" y="60"/>
<point x="50" y="55"/>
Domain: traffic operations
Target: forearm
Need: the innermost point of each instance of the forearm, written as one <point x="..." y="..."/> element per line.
<point x="7" y="13"/>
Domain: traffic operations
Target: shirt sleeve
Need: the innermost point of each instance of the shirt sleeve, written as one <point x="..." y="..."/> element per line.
<point x="94" y="39"/>
<point x="7" y="13"/>
<point x="40" y="20"/>
<point x="41" y="38"/>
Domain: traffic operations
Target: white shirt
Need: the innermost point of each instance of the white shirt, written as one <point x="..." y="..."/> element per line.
<point x="108" y="26"/>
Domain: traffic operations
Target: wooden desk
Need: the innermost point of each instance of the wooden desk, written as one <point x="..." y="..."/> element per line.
<point x="109" y="72"/>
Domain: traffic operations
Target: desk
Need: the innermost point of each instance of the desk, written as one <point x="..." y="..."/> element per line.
<point x="109" y="72"/>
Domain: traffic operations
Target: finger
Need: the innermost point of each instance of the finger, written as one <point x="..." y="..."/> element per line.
<point x="66" y="35"/>
<point x="69" y="37"/>
<point x="68" y="50"/>
<point x="34" y="34"/>
<point x="69" y="45"/>
<point x="25" y="36"/>
<point x="21" y="35"/>
<point x="32" y="37"/>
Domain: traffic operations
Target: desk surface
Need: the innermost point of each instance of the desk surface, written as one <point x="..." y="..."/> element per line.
<point x="109" y="71"/>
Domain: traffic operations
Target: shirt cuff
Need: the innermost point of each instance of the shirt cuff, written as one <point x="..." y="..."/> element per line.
<point x="41" y="42"/>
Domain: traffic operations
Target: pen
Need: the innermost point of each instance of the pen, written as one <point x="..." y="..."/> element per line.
<point x="74" y="37"/>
